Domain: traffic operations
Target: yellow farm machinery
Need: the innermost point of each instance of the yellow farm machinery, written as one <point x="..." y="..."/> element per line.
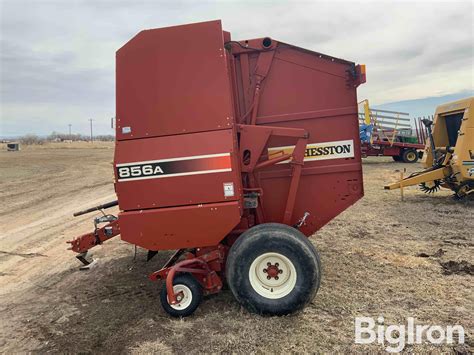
<point x="449" y="152"/>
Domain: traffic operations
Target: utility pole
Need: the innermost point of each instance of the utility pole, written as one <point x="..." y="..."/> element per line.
<point x="70" y="130"/>
<point x="92" y="137"/>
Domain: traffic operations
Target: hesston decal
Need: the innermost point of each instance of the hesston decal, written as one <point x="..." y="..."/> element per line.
<point x="153" y="169"/>
<point x="320" y="151"/>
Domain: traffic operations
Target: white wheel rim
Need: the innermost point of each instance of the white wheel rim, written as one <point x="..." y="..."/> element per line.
<point x="261" y="278"/>
<point x="183" y="295"/>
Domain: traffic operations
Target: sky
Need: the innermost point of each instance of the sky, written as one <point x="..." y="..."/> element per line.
<point x="57" y="58"/>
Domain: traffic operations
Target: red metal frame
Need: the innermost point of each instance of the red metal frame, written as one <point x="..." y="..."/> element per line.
<point x="378" y="148"/>
<point x="204" y="265"/>
<point x="254" y="139"/>
<point x="86" y="241"/>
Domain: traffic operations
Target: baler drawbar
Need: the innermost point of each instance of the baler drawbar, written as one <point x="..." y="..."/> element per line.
<point x="97" y="208"/>
<point x="232" y="153"/>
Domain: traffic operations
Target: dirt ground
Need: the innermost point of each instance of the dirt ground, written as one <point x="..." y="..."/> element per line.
<point x="382" y="257"/>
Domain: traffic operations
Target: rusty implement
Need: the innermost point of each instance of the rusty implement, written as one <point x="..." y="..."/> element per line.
<point x="233" y="153"/>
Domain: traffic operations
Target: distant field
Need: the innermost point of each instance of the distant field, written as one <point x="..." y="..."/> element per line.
<point x="63" y="145"/>
<point x="380" y="257"/>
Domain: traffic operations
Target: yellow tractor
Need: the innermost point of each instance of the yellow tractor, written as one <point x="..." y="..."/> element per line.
<point x="449" y="153"/>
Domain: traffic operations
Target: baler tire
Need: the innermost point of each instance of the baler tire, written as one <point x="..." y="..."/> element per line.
<point x="262" y="245"/>
<point x="189" y="284"/>
<point x="410" y="156"/>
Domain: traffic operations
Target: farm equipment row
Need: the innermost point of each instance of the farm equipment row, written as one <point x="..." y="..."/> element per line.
<point x="390" y="133"/>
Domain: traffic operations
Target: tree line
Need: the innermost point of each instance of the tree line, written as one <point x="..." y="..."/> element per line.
<point x="30" y="139"/>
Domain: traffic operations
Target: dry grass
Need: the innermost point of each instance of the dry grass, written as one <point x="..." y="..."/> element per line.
<point x="369" y="256"/>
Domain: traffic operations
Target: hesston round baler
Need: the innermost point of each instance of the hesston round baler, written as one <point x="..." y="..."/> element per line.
<point x="231" y="153"/>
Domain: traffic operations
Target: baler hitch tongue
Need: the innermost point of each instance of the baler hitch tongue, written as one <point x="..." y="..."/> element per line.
<point x="82" y="257"/>
<point x="97" y="208"/>
<point x="83" y="243"/>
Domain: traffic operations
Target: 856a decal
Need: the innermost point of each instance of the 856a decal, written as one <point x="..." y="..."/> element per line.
<point x="180" y="166"/>
<point x="139" y="170"/>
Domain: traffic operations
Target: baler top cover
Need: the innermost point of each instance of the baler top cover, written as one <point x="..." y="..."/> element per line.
<point x="172" y="81"/>
<point x="214" y="136"/>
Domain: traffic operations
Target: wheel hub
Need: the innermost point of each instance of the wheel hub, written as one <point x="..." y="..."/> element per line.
<point x="273" y="271"/>
<point x="272" y="275"/>
<point x="183" y="297"/>
<point x="179" y="297"/>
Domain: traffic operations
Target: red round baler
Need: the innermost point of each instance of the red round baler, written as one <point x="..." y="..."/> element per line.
<point x="232" y="153"/>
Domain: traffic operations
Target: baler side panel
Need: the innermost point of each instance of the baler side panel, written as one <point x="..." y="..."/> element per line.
<point x="324" y="192"/>
<point x="301" y="82"/>
<point x="172" y="81"/>
<point x="176" y="162"/>
<point x="195" y="169"/>
<point x="315" y="93"/>
<point x="465" y="145"/>
<point x="180" y="227"/>
<point x="464" y="148"/>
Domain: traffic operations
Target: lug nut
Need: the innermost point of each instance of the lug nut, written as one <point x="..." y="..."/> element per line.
<point x="276" y="264"/>
<point x="268" y="277"/>
<point x="265" y="271"/>
<point x="280" y="271"/>
<point x="276" y="277"/>
<point x="269" y="264"/>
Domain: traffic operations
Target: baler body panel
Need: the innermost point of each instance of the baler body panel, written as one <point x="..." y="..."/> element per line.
<point x="300" y="81"/>
<point x="176" y="146"/>
<point x="179" y="227"/>
<point x="195" y="169"/>
<point x="171" y="81"/>
<point x="307" y="90"/>
<point x="186" y="102"/>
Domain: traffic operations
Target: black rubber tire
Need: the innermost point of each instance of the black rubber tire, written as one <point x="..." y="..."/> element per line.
<point x="396" y="158"/>
<point x="196" y="292"/>
<point x="276" y="238"/>
<point x="409" y="156"/>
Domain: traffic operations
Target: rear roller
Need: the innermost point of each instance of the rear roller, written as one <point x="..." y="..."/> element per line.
<point x="189" y="296"/>
<point x="273" y="269"/>
<point x="430" y="186"/>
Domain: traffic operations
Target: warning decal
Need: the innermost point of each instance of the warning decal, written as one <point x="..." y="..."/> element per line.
<point x="320" y="151"/>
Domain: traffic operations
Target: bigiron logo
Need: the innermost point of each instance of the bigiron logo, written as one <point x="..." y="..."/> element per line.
<point x="320" y="151"/>
<point x="154" y="169"/>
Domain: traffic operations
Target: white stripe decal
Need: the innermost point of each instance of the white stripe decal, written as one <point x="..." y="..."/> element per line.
<point x="174" y="159"/>
<point x="177" y="174"/>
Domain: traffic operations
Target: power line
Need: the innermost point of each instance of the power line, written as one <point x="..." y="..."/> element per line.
<point x="92" y="136"/>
